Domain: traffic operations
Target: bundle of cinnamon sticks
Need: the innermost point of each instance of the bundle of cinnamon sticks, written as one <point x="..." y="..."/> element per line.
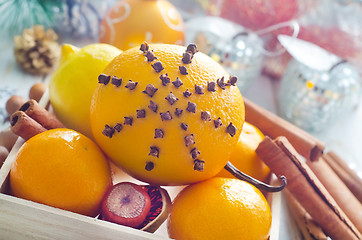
<point x="32" y="119"/>
<point x="324" y="194"/>
<point x="27" y="118"/>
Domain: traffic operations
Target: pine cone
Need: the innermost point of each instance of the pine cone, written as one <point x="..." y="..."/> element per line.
<point x="37" y="51"/>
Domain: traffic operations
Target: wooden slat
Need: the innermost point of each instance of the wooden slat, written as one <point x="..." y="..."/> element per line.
<point x="22" y="219"/>
<point x="5" y="169"/>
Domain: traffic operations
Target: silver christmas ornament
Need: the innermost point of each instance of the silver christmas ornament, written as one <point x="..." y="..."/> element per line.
<point x="317" y="88"/>
<point x="237" y="50"/>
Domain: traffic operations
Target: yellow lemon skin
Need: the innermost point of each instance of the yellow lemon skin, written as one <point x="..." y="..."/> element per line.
<point x="220" y="208"/>
<point x="130" y="147"/>
<point x="244" y="157"/>
<point x="74" y="81"/>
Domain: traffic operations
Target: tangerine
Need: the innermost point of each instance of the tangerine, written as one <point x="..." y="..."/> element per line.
<point x="130" y="22"/>
<point x="244" y="157"/>
<point x="61" y="168"/>
<point x="220" y="208"/>
<point x="174" y="131"/>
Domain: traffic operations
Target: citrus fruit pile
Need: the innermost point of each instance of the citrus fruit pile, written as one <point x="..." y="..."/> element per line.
<point x="167" y="115"/>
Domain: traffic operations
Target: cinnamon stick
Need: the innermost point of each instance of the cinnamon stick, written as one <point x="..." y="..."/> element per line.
<point x="283" y="159"/>
<point x="274" y="126"/>
<point x="347" y="175"/>
<point x="307" y="226"/>
<point x="339" y="191"/>
<point x="41" y="115"/>
<point x="24" y="126"/>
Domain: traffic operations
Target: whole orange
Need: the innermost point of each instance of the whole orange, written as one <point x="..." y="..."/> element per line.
<point x="130" y="22"/>
<point x="244" y="157"/>
<point x="61" y="168"/>
<point x="170" y="143"/>
<point x="220" y="208"/>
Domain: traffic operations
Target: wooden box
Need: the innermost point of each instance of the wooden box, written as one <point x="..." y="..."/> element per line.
<point x="23" y="219"/>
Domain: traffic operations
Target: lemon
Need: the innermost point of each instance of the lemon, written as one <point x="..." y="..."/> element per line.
<point x="74" y="81"/>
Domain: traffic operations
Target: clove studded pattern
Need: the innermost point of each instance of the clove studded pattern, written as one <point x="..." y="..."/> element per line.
<point x="150" y="90"/>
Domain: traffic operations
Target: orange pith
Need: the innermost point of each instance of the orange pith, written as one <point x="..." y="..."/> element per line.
<point x="130" y="148"/>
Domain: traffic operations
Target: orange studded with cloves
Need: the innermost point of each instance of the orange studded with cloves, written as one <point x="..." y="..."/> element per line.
<point x="167" y="114"/>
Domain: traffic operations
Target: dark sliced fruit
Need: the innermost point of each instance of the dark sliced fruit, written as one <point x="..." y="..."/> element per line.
<point x="160" y="208"/>
<point x="127" y="204"/>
